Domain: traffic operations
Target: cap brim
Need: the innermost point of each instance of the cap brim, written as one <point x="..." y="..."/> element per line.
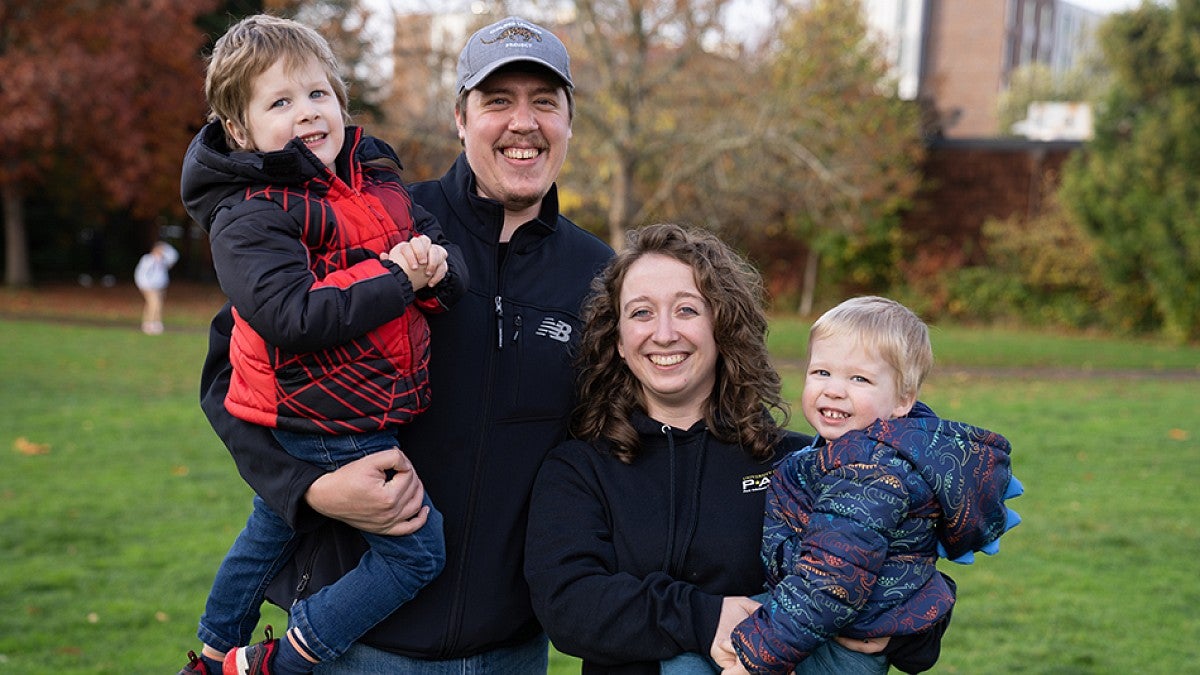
<point x="474" y="80"/>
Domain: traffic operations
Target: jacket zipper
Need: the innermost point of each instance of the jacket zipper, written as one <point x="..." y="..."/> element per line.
<point x="306" y="572"/>
<point x="499" y="322"/>
<point x="454" y="621"/>
<point x="518" y="357"/>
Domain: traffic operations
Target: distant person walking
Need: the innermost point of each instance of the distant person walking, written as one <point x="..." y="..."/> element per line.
<point x="151" y="278"/>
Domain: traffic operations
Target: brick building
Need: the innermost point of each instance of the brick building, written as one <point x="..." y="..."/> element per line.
<point x="959" y="55"/>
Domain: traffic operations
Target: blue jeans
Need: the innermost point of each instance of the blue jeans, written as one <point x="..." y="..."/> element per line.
<point x="828" y="659"/>
<point x="530" y="658"/>
<point x="833" y="659"/>
<point x="387" y="576"/>
<point x="689" y="663"/>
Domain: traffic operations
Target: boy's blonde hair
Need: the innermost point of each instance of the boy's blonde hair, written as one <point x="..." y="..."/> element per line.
<point x="250" y="48"/>
<point x="887" y="328"/>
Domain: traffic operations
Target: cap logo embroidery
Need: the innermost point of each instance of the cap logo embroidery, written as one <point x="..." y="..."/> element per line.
<point x="514" y="33"/>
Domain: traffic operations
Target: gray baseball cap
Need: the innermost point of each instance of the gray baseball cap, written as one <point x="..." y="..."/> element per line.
<point x="511" y="40"/>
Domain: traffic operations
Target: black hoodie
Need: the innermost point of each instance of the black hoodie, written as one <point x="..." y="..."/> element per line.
<point x="628" y="563"/>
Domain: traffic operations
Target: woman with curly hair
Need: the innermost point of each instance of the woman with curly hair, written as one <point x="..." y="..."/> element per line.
<point x="644" y="531"/>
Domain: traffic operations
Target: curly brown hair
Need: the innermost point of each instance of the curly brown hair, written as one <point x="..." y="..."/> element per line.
<point x="747" y="387"/>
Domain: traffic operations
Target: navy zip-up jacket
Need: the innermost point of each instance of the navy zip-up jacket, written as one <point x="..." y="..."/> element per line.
<point x="501" y="367"/>
<point x="324" y="340"/>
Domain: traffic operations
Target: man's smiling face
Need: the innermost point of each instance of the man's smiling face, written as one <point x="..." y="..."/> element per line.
<point x="515" y="129"/>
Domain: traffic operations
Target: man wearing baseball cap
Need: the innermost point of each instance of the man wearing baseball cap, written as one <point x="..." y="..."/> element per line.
<point x="501" y="377"/>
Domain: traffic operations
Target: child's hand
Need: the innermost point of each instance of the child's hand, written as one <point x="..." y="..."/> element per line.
<point x="438" y="264"/>
<point x="413" y="256"/>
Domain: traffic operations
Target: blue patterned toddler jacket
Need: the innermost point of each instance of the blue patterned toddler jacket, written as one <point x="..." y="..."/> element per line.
<point x="854" y="527"/>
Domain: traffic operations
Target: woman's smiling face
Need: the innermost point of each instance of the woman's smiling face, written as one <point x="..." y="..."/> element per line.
<point x="666" y="338"/>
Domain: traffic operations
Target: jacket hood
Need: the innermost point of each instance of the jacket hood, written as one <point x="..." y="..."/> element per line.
<point x="648" y="426"/>
<point x="967" y="468"/>
<point x="213" y="172"/>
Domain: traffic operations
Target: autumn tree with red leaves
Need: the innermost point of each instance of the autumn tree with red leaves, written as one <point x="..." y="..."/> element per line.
<point x="105" y="92"/>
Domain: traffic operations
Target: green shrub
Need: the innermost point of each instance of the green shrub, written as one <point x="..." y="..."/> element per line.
<point x="1040" y="272"/>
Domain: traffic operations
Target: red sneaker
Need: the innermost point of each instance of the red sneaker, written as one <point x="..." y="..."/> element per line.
<point x="195" y="666"/>
<point x="252" y="660"/>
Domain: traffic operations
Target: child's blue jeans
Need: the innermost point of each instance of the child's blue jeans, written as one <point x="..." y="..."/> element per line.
<point x="828" y="659"/>
<point x="387" y="576"/>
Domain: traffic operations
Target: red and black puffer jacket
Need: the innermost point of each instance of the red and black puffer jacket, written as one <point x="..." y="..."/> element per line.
<point x="325" y="337"/>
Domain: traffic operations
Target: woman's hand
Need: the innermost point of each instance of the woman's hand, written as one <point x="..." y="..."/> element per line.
<point x="863" y="645"/>
<point x="379" y="493"/>
<point x="734" y="610"/>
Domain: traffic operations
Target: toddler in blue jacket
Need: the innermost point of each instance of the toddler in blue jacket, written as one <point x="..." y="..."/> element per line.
<point x="855" y="523"/>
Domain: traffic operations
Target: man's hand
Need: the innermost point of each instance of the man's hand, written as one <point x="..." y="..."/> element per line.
<point x="361" y="495"/>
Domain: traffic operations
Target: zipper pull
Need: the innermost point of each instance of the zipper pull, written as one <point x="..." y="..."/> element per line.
<point x="499" y="324"/>
<point x="517" y="331"/>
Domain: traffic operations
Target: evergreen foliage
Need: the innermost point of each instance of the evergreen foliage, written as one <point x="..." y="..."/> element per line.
<point x="1136" y="187"/>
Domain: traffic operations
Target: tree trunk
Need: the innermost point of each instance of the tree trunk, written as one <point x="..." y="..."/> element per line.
<point x="809" y="289"/>
<point x="16" y="248"/>
<point x="618" y="208"/>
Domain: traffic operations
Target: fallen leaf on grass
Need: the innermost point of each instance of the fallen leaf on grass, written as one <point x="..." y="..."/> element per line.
<point x="27" y="447"/>
<point x="1177" y="435"/>
<point x="179" y="470"/>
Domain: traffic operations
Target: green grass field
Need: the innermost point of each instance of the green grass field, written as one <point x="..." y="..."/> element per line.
<point x="117" y="501"/>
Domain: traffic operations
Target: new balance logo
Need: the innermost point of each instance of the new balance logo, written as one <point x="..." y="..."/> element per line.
<point x="555" y="329"/>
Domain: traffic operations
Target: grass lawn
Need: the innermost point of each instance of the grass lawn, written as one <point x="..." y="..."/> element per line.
<point x="117" y="501"/>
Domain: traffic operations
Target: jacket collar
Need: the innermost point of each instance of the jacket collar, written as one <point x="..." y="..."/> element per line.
<point x="212" y="171"/>
<point x="485" y="216"/>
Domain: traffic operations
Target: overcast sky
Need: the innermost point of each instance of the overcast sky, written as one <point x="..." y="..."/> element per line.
<point x="1097" y="5"/>
<point x="1106" y="5"/>
<point x="744" y="11"/>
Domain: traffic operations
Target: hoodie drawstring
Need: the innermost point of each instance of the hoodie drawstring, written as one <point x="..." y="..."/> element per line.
<point x="690" y="533"/>
<point x="666" y="566"/>
<point x="672" y="561"/>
